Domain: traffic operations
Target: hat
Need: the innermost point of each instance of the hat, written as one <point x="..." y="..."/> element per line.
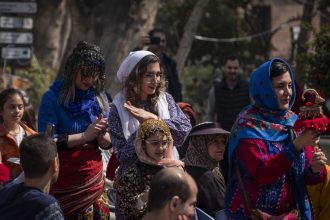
<point x="207" y="128"/>
<point x="130" y="62"/>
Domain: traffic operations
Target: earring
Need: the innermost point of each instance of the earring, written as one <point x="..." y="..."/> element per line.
<point x="135" y="89"/>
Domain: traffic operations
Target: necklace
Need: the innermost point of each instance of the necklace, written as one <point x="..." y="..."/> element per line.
<point x="15" y="133"/>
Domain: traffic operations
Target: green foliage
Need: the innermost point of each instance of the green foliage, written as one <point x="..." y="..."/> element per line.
<point x="220" y="20"/>
<point x="197" y="82"/>
<point x="317" y="63"/>
<point x="39" y="79"/>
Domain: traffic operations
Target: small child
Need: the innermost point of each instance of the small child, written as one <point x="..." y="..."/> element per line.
<point x="153" y="146"/>
<point x="12" y="130"/>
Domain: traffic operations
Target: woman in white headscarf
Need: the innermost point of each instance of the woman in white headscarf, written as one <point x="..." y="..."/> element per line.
<point x="143" y="97"/>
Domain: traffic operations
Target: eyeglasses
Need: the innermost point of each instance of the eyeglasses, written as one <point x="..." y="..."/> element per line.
<point x="151" y="75"/>
<point x="156" y="143"/>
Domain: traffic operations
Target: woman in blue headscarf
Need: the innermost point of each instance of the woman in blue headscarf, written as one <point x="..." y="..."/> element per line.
<point x="267" y="163"/>
<point x="78" y="108"/>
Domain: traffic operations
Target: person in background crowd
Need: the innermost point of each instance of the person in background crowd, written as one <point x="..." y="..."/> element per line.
<point x="78" y="108"/>
<point x="155" y="42"/>
<point x="319" y="196"/>
<point x="12" y="129"/>
<point x="142" y="97"/>
<point x="30" y="199"/>
<point x="228" y="96"/>
<point x="172" y="196"/>
<point x="189" y="112"/>
<point x="207" y="143"/>
<point x="154" y="146"/>
<point x="267" y="163"/>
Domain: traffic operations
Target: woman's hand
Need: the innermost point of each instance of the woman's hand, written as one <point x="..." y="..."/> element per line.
<point x="99" y="127"/>
<point x="309" y="137"/>
<point x="104" y="140"/>
<point x="140" y="114"/>
<point x="318" y="160"/>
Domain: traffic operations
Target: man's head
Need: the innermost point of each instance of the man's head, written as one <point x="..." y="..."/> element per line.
<point x="173" y="191"/>
<point x="231" y="70"/>
<point x="38" y="155"/>
<point x="157" y="33"/>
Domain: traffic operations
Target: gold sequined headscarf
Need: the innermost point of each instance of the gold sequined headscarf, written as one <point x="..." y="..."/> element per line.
<point x="151" y="126"/>
<point x="148" y="128"/>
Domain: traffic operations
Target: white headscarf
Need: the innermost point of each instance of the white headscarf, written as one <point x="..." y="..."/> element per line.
<point x="130" y="62"/>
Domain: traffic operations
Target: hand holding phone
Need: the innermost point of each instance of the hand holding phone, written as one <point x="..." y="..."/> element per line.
<point x="50" y="129"/>
<point x="14" y="160"/>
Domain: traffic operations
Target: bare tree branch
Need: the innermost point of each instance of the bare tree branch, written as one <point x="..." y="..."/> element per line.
<point x="189" y="33"/>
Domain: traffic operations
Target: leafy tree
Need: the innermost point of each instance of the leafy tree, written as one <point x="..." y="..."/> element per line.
<point x="317" y="63"/>
<point x="221" y="20"/>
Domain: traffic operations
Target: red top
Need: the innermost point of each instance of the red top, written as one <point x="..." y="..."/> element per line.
<point x="4" y="174"/>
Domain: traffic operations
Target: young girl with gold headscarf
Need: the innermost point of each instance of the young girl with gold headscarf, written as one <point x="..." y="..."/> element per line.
<point x="153" y="146"/>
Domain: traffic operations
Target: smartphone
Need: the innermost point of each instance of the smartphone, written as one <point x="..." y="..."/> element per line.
<point x="155" y="40"/>
<point x="50" y="129"/>
<point x="14" y="160"/>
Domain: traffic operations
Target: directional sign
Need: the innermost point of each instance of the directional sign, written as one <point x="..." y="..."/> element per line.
<point x="16" y="22"/>
<point x="10" y="53"/>
<point x="16" y="38"/>
<point x="18" y="7"/>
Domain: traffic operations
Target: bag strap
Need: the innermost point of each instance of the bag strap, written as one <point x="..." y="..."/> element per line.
<point x="242" y="188"/>
<point x="292" y="135"/>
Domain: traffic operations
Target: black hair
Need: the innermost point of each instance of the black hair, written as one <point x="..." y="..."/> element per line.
<point x="86" y="59"/>
<point x="230" y="57"/>
<point x="5" y="95"/>
<point x="37" y="152"/>
<point x="155" y="30"/>
<point x="278" y="68"/>
<point x="164" y="186"/>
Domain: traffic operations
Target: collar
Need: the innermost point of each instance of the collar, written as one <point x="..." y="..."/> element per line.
<point x="28" y="131"/>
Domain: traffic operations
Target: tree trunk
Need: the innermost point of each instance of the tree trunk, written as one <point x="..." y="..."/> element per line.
<point x="52" y="28"/>
<point x="303" y="39"/>
<point x="189" y="33"/>
<point x="113" y="25"/>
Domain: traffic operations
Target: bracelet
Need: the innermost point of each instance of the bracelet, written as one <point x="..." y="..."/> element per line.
<point x="62" y="142"/>
<point x="108" y="147"/>
<point x="83" y="137"/>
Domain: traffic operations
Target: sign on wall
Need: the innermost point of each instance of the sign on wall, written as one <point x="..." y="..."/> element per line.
<point x="16" y="22"/>
<point x="16" y="25"/>
<point x="16" y="53"/>
<point x="18" y="7"/>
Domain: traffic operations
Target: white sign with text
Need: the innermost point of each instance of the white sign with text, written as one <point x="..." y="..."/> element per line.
<point x="16" y="22"/>
<point x="16" y="38"/>
<point x="18" y="7"/>
<point x="10" y="53"/>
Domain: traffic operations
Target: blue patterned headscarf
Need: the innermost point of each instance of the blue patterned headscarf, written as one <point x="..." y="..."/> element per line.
<point x="264" y="120"/>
